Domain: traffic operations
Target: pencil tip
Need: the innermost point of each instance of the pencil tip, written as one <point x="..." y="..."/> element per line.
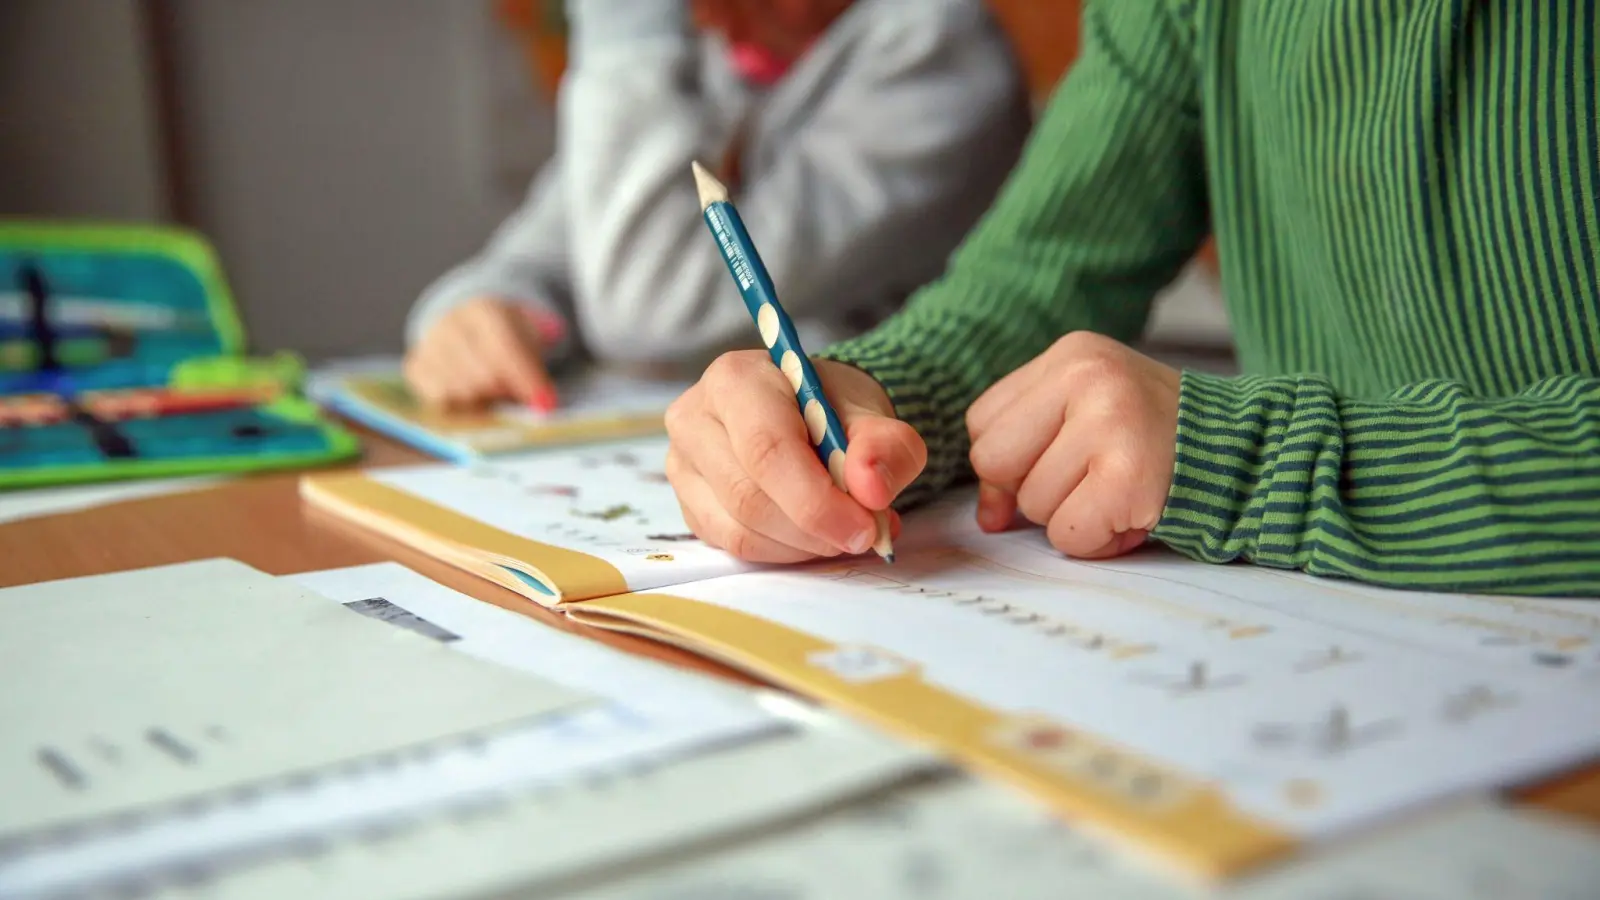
<point x="889" y="558"/>
<point x="706" y="184"/>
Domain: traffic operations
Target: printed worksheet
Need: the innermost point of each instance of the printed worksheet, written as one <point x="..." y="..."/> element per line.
<point x="1295" y="709"/>
<point x="156" y="687"/>
<point x="612" y="504"/>
<point x="643" y="719"/>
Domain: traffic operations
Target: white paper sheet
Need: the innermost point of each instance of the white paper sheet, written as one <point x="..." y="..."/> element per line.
<point x="612" y="502"/>
<point x="532" y="841"/>
<point x="963" y="838"/>
<point x="669" y="698"/>
<point x="1312" y="710"/>
<point x="643" y="717"/>
<point x="150" y="687"/>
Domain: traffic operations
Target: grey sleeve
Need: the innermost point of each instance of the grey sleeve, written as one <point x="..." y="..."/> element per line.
<point x="906" y="136"/>
<point x="524" y="261"/>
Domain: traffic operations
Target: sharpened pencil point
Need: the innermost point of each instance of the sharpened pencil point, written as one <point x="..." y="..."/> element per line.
<point x="706" y="184"/>
<point x="883" y="546"/>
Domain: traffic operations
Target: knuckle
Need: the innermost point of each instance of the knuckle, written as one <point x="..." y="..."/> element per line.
<point x="978" y="457"/>
<point x="1078" y="342"/>
<point x="1072" y="344"/>
<point x="995" y="464"/>
<point x="763" y="447"/>
<point x="1095" y="367"/>
<point x="677" y="414"/>
<point x="740" y="542"/>
<point x="1034" y="507"/>
<point x="673" y="468"/>
<point x="986" y="464"/>
<point x="718" y="369"/>
<point x="746" y="501"/>
<point x="811" y="515"/>
<point x="730" y="367"/>
<point x="1120" y="468"/>
<point x="1136" y="476"/>
<point x="975" y="417"/>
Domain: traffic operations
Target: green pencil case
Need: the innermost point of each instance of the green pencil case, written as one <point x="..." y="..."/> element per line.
<point x="122" y="356"/>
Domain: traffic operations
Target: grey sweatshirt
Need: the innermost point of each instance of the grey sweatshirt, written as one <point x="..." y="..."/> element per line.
<point x="861" y="171"/>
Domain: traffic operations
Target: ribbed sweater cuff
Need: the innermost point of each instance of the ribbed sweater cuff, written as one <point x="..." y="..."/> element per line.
<point x="1248" y="467"/>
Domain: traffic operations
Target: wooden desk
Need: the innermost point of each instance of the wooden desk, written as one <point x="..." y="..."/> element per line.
<point x="260" y="521"/>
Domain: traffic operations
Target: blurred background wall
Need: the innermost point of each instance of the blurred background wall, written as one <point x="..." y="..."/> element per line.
<point x="77" y="130"/>
<point x="339" y="153"/>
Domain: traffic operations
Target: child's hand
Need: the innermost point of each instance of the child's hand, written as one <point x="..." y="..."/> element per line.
<point x="484" y="350"/>
<point x="1081" y="440"/>
<point x="747" y="474"/>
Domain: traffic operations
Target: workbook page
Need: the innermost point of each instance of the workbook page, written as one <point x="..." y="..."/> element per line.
<point x="609" y="501"/>
<point x="1313" y="706"/>
<point x="612" y="502"/>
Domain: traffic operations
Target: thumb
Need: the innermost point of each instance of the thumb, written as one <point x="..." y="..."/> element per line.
<point x="883" y="457"/>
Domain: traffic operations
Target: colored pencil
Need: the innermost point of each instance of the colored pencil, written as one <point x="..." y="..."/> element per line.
<point x="779" y="335"/>
<point x="161" y="402"/>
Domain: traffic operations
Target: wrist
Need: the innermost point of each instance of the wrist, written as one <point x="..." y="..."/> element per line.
<point x="1238" y="489"/>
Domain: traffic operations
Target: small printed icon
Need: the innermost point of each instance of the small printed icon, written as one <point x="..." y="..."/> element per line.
<point x="859" y="663"/>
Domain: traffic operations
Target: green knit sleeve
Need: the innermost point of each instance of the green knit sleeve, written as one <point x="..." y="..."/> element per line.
<point x="1427" y="488"/>
<point x="1105" y="206"/>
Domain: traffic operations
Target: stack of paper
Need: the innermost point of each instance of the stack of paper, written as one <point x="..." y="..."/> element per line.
<point x="561" y="768"/>
<point x="206" y="721"/>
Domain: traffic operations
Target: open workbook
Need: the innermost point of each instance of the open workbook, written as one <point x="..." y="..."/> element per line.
<point x="1221" y="717"/>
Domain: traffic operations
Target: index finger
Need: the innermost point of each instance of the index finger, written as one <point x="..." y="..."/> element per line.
<point x="769" y="439"/>
<point x="511" y="353"/>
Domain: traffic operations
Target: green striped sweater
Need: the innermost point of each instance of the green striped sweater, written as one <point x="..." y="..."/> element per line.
<point x="1405" y="196"/>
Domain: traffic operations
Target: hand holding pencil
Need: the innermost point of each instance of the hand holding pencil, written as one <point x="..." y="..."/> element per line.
<point x="777" y="458"/>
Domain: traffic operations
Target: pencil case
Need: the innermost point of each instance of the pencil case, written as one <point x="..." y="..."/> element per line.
<point x="122" y="355"/>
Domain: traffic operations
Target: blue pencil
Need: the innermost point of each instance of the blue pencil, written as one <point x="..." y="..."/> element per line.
<point x="777" y="332"/>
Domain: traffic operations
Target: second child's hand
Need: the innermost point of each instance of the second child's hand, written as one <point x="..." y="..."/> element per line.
<point x="484" y="351"/>
<point x="1082" y="441"/>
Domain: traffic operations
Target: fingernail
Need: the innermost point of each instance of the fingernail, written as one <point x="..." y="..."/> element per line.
<point x="883" y="472"/>
<point x="993" y="514"/>
<point x="544" y="399"/>
<point x="863" y="541"/>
